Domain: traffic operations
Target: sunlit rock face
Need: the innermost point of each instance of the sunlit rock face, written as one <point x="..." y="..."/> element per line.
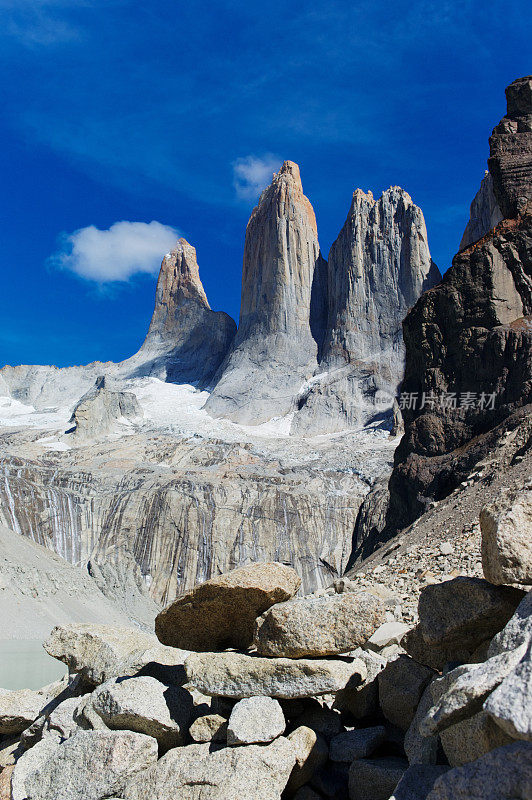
<point x="378" y="267"/>
<point x="276" y="347"/>
<point x="484" y="213"/>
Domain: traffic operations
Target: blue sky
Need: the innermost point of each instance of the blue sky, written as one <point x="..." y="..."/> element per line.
<point x="172" y="113"/>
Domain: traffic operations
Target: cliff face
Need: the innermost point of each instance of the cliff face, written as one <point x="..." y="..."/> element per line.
<point x="510" y="161"/>
<point x="378" y="267"/>
<point x="484" y="214"/>
<point x="186" y="340"/>
<point x="276" y="346"/>
<point x="469" y="348"/>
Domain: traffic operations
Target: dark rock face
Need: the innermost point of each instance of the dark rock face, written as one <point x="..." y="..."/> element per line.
<point x="510" y="161"/>
<point x="469" y="344"/>
<point x="468" y="376"/>
<point x="186" y="341"/>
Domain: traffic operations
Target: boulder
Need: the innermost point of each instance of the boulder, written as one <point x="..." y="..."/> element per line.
<point x="61" y="722"/>
<point x="420" y="748"/>
<point x="29" y="763"/>
<point x="221" y="612"/>
<point x="321" y="719"/>
<point x="101" y="652"/>
<point x="438" y="656"/>
<point x="506" y="527"/>
<point x="510" y="704"/>
<point x="386" y="634"/>
<point x="517" y="632"/>
<point x="375" y="778"/>
<point x="362" y="700"/>
<point x="89" y="766"/>
<point x="18" y="709"/>
<point x="417" y="782"/>
<point x="461" y="692"/>
<point x="502" y="774"/>
<point x="401" y="685"/>
<point x="145" y="705"/>
<point x="464" y="612"/>
<point x="210" y="728"/>
<point x="238" y="675"/>
<point x="255" y="720"/>
<point x="472" y="738"/>
<point x="197" y="772"/>
<point x="311" y="753"/>
<point x="354" y="744"/>
<point x="318" y="626"/>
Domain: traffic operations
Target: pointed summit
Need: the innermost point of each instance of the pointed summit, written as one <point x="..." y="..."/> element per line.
<point x="276" y="346"/>
<point x="186" y="341"/>
<point x="378" y="267"/>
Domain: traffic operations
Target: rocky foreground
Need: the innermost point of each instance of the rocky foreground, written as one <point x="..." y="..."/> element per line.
<point x="250" y="692"/>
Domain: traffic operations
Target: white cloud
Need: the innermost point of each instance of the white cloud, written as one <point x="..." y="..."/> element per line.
<point x="116" y="254"/>
<point x="252" y="174"/>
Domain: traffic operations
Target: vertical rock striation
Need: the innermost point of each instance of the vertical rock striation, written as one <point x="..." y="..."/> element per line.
<point x="469" y="341"/>
<point x="484" y="213"/>
<point x="276" y="347"/>
<point x="186" y="340"/>
<point x="378" y="267"/>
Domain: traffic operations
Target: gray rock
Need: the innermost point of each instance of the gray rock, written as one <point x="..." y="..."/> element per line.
<point x="101" y="652"/>
<point x="463" y="690"/>
<point x="472" y="738"/>
<point x="419" y="748"/>
<point x="510" y="704"/>
<point x="256" y="772"/>
<point x="28" y="765"/>
<point x="210" y="728"/>
<point x="318" y="626"/>
<point x="255" y="720"/>
<point x="61" y="722"/>
<point x="506" y="527"/>
<point x="89" y="766"/>
<point x="502" y="774"/>
<point x="18" y="709"/>
<point x="517" y="632"/>
<point x="463" y="612"/>
<point x="401" y="686"/>
<point x="311" y="753"/>
<point x="186" y="341"/>
<point x="386" y="634"/>
<point x="370" y="289"/>
<point x="417" y="782"/>
<point x="375" y="779"/>
<point x="238" y="675"/>
<point x="321" y="719"/>
<point x="276" y="345"/>
<point x="221" y="612"/>
<point x="362" y="700"/>
<point x="100" y="409"/>
<point x="146" y="706"/>
<point x="357" y="743"/>
<point x="484" y="214"/>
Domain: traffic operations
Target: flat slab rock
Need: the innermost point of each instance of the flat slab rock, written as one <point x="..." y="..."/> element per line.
<point x="18" y="709"/>
<point x="237" y="675"/>
<point x="198" y="772"/>
<point x="101" y="652"/>
<point x="319" y="626"/>
<point x="221" y="612"/>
